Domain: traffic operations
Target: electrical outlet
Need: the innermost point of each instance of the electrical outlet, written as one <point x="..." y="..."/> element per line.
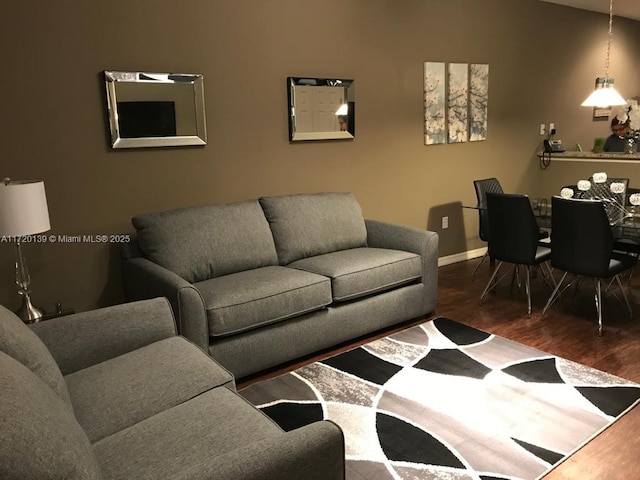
<point x="552" y="126"/>
<point x="543" y="129"/>
<point x="445" y="223"/>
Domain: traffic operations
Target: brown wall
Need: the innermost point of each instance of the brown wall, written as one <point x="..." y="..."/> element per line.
<point x="543" y="60"/>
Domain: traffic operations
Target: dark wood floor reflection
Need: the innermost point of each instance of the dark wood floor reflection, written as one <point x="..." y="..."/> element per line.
<point x="569" y="330"/>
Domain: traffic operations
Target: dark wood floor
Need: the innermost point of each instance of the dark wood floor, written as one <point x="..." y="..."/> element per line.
<point x="568" y="330"/>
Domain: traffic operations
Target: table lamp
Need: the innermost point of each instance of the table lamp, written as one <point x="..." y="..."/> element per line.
<point x="23" y="212"/>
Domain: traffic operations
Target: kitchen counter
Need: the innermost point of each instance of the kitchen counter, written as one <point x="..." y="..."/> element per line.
<point x="591" y="157"/>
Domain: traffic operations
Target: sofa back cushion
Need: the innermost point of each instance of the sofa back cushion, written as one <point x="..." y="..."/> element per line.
<point x="305" y="225"/>
<point x="19" y="342"/>
<point x="199" y="243"/>
<point x="41" y="437"/>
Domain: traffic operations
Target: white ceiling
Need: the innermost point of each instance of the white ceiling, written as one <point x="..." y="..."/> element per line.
<point x="621" y="8"/>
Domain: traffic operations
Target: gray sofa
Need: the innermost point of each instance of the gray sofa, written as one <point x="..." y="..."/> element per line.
<point x="263" y="282"/>
<point x="115" y="394"/>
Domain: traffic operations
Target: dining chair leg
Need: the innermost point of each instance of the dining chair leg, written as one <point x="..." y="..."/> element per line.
<point x="578" y="283"/>
<point x="623" y="290"/>
<point x="491" y="280"/>
<point x="548" y="275"/>
<point x="555" y="295"/>
<point x="486" y="254"/>
<point x="527" y="287"/>
<point x="515" y="276"/>
<point x="599" y="305"/>
<point x="624" y="295"/>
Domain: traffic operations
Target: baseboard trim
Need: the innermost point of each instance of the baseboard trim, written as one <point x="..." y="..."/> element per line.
<point x="462" y="256"/>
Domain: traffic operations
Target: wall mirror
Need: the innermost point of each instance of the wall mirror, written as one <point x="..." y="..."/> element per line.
<point x="321" y="108"/>
<point x="155" y="109"/>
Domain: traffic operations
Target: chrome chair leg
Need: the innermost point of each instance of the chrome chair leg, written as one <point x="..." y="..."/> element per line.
<point x="556" y="294"/>
<point x="599" y="305"/>
<point x="624" y="295"/>
<point x="527" y="288"/>
<point x="623" y="290"/>
<point x="515" y="278"/>
<point x="578" y="283"/>
<point x="486" y="254"/>
<point x="490" y="282"/>
<point x="547" y="276"/>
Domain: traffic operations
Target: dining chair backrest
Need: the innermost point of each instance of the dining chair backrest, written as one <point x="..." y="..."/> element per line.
<point x="630" y="191"/>
<point x="513" y="230"/>
<point x="614" y="202"/>
<point x="574" y="188"/>
<point x="581" y="237"/>
<point x="483" y="187"/>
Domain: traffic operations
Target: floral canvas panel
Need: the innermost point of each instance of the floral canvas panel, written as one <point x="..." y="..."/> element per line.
<point x="478" y="101"/>
<point x="434" y="103"/>
<point x="457" y="103"/>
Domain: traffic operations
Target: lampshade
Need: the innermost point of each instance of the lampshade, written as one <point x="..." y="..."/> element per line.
<point x="604" y="95"/>
<point x="343" y="109"/>
<point x="23" y="208"/>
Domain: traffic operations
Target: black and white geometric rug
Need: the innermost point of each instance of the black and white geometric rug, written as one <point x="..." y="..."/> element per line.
<point x="444" y="400"/>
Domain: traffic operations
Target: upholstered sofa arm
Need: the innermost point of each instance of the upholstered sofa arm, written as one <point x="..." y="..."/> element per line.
<point x="313" y="452"/>
<point x="410" y="239"/>
<point x="84" y="339"/>
<point x="146" y="279"/>
<point x="399" y="237"/>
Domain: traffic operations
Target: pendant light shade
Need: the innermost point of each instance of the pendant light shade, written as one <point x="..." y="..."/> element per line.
<point x="343" y="109"/>
<point x="605" y="95"/>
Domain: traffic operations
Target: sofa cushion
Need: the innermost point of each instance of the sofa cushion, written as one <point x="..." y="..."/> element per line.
<point x="305" y="225"/>
<point x="180" y="442"/>
<point x="257" y="297"/>
<point x="120" y="392"/>
<point x="18" y="341"/>
<point x="363" y="271"/>
<point x="40" y="436"/>
<point x="205" y="242"/>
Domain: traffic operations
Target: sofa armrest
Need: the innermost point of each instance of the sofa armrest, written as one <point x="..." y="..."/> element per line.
<point x="145" y="279"/>
<point x="400" y="237"/>
<point x="414" y="240"/>
<point x="83" y="339"/>
<point x="312" y="452"/>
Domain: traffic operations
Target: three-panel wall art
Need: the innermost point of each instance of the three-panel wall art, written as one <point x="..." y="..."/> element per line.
<point x="456" y="97"/>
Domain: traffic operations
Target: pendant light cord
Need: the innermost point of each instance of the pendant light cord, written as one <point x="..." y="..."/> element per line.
<point x="606" y="64"/>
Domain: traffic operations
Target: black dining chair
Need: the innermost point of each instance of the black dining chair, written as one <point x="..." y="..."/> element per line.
<point x="630" y="191"/>
<point x="573" y="188"/>
<point x="482" y="187"/>
<point x="629" y="243"/>
<point x="583" y="246"/>
<point x="614" y="203"/>
<point x="514" y="238"/>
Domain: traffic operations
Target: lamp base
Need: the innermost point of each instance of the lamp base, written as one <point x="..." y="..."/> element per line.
<point x="27" y="312"/>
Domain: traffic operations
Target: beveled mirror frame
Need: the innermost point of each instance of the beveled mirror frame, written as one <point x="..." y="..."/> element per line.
<point x="195" y="132"/>
<point x="344" y="88"/>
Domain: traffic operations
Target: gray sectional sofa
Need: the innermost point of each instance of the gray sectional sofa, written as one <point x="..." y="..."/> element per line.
<point x="115" y="394"/>
<point x="263" y="282"/>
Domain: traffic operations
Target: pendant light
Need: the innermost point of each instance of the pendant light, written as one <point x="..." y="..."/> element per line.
<point x="605" y="95"/>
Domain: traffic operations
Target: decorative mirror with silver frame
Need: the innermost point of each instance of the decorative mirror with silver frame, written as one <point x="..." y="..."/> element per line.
<point x="155" y="109"/>
<point x="321" y="108"/>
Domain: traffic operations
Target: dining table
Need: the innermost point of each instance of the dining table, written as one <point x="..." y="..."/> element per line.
<point x="625" y="224"/>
